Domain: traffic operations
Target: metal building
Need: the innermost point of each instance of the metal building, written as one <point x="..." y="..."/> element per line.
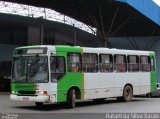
<point x="134" y="21"/>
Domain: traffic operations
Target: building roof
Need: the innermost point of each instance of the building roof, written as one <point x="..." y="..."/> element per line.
<point x="149" y="8"/>
<point x="117" y="17"/>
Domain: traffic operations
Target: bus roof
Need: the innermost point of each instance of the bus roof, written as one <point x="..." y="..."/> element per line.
<point x="68" y="48"/>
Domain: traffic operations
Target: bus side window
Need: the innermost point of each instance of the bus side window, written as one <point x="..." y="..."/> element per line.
<point x="120" y="63"/>
<point x="57" y="67"/>
<point x="145" y="65"/>
<point x="90" y="62"/>
<point x="133" y="63"/>
<point x="105" y="63"/>
<point x="74" y="62"/>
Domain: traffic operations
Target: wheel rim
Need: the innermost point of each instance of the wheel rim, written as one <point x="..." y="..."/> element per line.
<point x="73" y="98"/>
<point x="128" y="94"/>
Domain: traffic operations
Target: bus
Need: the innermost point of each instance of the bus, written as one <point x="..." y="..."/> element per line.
<point x="61" y="73"/>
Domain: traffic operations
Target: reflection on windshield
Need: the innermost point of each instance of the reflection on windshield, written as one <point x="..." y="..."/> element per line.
<point x="19" y="70"/>
<point x="30" y="69"/>
<point x="37" y="69"/>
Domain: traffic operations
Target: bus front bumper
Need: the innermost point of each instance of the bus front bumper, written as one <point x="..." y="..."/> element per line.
<point x="39" y="98"/>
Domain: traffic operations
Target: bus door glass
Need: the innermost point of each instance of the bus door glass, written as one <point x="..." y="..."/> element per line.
<point x="57" y="68"/>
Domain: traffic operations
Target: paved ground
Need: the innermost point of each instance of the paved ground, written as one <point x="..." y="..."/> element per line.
<point x="137" y="105"/>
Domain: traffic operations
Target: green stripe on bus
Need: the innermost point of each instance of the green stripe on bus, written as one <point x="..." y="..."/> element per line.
<point x="153" y="78"/>
<point x="23" y="87"/>
<point x="70" y="79"/>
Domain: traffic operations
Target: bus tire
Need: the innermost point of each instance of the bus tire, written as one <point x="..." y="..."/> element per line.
<point x="149" y="95"/>
<point x="71" y="98"/>
<point x="39" y="104"/>
<point x="127" y="93"/>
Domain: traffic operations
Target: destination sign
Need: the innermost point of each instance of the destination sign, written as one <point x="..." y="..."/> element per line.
<point x="35" y="51"/>
<point x="26" y="51"/>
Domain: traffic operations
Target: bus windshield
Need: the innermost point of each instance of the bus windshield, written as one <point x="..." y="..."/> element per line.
<point x="30" y="69"/>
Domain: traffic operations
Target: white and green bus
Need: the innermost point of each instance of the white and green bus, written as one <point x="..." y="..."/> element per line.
<point x="54" y="74"/>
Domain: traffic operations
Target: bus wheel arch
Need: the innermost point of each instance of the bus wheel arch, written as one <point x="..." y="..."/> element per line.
<point x="127" y="92"/>
<point x="128" y="88"/>
<point x="77" y="91"/>
<point x="73" y="94"/>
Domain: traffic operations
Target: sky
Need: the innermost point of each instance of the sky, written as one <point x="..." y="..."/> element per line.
<point x="157" y="2"/>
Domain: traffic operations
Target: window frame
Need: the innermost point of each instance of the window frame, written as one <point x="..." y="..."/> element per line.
<point x="125" y="64"/>
<point x="149" y="62"/>
<point x="74" y="63"/>
<point x="97" y="63"/>
<point x="128" y="63"/>
<point x="106" y="63"/>
<point x="56" y="72"/>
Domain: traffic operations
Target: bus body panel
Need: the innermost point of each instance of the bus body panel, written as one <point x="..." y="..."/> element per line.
<point x="52" y="86"/>
<point x="91" y="85"/>
<point x="129" y="78"/>
<point x="27" y="91"/>
<point x="70" y="79"/>
<point x="145" y="82"/>
<point x="107" y="84"/>
<point x="153" y="78"/>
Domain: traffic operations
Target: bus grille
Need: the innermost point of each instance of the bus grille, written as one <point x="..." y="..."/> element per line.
<point x="27" y="93"/>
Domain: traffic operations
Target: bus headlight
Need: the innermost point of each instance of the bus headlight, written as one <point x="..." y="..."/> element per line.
<point x="14" y="92"/>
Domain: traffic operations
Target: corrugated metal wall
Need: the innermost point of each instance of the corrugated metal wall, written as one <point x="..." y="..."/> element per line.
<point x="147" y="7"/>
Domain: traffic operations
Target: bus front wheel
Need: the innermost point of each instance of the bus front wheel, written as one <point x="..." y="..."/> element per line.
<point x="127" y="93"/>
<point x="71" y="98"/>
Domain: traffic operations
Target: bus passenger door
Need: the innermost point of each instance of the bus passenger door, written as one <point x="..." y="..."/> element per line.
<point x="57" y="71"/>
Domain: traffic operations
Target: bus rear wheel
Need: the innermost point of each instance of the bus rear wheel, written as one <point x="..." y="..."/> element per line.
<point x="71" y="98"/>
<point x="127" y="93"/>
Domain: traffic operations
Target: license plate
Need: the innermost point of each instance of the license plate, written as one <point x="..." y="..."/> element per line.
<point x="25" y="99"/>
